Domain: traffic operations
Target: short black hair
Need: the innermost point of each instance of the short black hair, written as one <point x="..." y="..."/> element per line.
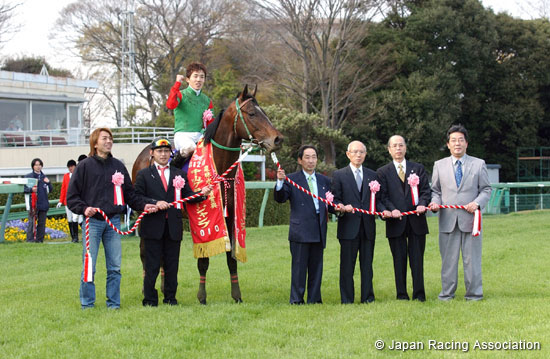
<point x="71" y="163"/>
<point x="305" y="147"/>
<point x="33" y="162"/>
<point x="82" y="157"/>
<point x="457" y="128"/>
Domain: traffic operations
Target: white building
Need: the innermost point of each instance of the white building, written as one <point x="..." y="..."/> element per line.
<point x="41" y="116"/>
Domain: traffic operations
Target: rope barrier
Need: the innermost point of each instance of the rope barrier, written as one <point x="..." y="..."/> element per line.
<point x="330" y="203"/>
<point x="217" y="180"/>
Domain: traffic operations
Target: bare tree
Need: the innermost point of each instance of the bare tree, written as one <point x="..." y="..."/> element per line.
<point x="166" y="32"/>
<point x="7" y="26"/>
<point x="325" y="37"/>
<point x="536" y="9"/>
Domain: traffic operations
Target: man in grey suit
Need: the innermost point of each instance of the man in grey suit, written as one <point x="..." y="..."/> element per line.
<point x="459" y="180"/>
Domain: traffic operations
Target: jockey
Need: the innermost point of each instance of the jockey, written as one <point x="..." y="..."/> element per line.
<point x="189" y="106"/>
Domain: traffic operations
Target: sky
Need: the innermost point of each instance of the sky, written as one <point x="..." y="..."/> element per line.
<point x="509" y="6"/>
<point x="37" y="19"/>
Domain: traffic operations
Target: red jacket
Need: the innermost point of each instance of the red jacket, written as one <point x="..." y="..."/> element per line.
<point x="64" y="187"/>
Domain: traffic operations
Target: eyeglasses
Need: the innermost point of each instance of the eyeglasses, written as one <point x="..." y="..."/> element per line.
<point x="162" y="142"/>
<point x="357" y="152"/>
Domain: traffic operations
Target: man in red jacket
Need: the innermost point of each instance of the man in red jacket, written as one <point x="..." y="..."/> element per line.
<point x="72" y="218"/>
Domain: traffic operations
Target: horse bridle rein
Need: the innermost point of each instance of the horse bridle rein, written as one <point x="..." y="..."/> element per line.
<point x="238" y="115"/>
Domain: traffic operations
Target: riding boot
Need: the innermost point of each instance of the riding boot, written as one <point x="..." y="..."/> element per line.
<point x="235" y="289"/>
<point x="179" y="160"/>
<point x="71" y="230"/>
<point x="201" y="294"/>
<point x="75" y="232"/>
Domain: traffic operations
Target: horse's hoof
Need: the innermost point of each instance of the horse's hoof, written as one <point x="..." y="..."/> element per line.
<point x="202" y="302"/>
<point x="238" y="300"/>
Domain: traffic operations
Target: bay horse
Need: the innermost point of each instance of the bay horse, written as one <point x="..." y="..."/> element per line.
<point x="243" y="119"/>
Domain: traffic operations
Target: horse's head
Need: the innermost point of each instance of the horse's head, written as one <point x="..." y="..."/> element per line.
<point x="251" y="122"/>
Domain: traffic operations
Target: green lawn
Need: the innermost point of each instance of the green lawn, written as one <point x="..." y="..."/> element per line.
<point x="40" y="314"/>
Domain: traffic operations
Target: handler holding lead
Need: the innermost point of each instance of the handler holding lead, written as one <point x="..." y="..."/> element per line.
<point x="102" y="181"/>
<point x="162" y="232"/>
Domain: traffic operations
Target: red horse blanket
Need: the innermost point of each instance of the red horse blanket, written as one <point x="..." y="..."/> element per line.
<point x="208" y="227"/>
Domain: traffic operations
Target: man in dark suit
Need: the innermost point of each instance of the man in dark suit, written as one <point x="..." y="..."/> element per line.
<point x="356" y="231"/>
<point x="308" y="225"/>
<point x="162" y="231"/>
<point x="406" y="234"/>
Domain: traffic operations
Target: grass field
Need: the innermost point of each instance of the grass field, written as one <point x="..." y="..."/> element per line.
<point x="40" y="313"/>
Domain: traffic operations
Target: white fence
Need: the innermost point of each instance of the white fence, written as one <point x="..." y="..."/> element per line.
<point x="79" y="136"/>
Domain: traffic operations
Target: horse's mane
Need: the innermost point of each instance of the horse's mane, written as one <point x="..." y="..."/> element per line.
<point x="211" y="129"/>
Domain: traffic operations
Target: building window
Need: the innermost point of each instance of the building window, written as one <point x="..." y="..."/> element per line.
<point x="48" y="116"/>
<point x="74" y="116"/>
<point x="14" y="115"/>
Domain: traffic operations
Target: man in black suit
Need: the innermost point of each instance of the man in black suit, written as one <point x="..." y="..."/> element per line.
<point x="308" y="225"/>
<point x="162" y="231"/>
<point x="356" y="231"/>
<point x="406" y="234"/>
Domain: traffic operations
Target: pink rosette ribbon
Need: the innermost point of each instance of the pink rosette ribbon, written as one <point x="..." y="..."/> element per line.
<point x="413" y="181"/>
<point x="118" y="181"/>
<point x="179" y="183"/>
<point x="207" y="117"/>
<point x="329" y="196"/>
<point x="374" y="187"/>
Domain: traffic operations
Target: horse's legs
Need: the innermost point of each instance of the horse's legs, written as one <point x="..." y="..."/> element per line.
<point x="202" y="265"/>
<point x="235" y="289"/>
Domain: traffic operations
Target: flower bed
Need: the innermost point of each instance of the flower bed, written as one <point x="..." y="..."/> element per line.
<point x="55" y="229"/>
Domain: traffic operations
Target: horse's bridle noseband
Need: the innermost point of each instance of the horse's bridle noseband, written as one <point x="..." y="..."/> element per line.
<point x="238" y="115"/>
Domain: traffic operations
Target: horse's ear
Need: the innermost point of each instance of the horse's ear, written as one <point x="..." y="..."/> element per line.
<point x="245" y="91"/>
<point x="255" y="89"/>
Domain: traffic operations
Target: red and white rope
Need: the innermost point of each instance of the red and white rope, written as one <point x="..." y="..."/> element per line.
<point x="374" y="213"/>
<point x="217" y="180"/>
<point x="88" y="267"/>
